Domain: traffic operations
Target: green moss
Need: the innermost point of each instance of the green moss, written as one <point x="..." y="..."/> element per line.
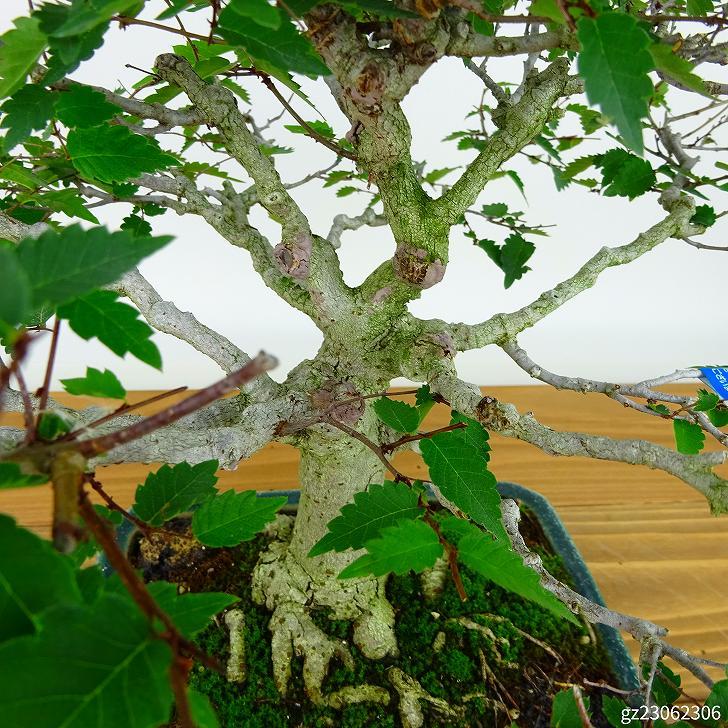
<point x="452" y="673"/>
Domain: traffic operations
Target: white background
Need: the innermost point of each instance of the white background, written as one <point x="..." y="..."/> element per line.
<point x="662" y="312"/>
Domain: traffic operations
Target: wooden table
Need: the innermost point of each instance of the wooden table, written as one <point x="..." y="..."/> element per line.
<point x="649" y="539"/>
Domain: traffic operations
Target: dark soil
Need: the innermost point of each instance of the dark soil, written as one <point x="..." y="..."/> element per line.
<point x="523" y="678"/>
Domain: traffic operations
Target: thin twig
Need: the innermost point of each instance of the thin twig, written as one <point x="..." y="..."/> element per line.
<point x="45" y="389"/>
<point x="389" y="447"/>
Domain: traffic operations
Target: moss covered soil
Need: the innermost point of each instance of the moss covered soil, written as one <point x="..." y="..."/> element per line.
<point x="500" y="676"/>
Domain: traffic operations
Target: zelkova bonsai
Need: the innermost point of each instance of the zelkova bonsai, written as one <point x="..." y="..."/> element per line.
<point x="117" y="652"/>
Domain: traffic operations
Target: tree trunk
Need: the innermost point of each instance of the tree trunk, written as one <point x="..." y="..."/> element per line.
<point x="334" y="467"/>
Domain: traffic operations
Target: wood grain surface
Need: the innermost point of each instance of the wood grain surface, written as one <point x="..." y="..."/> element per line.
<point x="649" y="539"/>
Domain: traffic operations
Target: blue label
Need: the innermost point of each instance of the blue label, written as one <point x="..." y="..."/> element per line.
<point x="717" y="379"/>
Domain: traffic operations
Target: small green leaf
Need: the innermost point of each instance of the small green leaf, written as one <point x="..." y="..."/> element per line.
<point x="689" y="437"/>
<point x="137" y="226"/>
<point x="320" y="127"/>
<point x="613" y="709"/>
<point x="116" y="325"/>
<point x="15" y="289"/>
<point x="706" y="401"/>
<point x="12" y="476"/>
<point x="372" y="510"/>
<point x="624" y="174"/>
<point x="85" y="15"/>
<point x="88" y="663"/>
<point x="565" y="712"/>
<point x="718" y="701"/>
<point x="704" y="215"/>
<point x="460" y="471"/>
<point x="33" y="577"/>
<point x="203" y="714"/>
<point x="95" y="384"/>
<point x="233" y="517"/>
<point x="400" y="416"/>
<point x="69" y="202"/>
<point x="410" y="545"/>
<point x="53" y="424"/>
<point x="424" y="400"/>
<point x="29" y="109"/>
<point x="376" y="8"/>
<point x="239" y="12"/>
<point x="511" y="257"/>
<point x="661" y="409"/>
<point x="114" y="153"/>
<point x="495" y="560"/>
<point x="82" y="107"/>
<point x="700" y="7"/>
<point x="615" y="63"/>
<point x="191" y="613"/>
<point x="719" y="416"/>
<point x="173" y="490"/>
<point x="67" y="263"/>
<point x="676" y="67"/>
<point x="20" y="49"/>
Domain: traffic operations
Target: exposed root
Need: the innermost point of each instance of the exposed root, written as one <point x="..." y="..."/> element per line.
<point x="433" y="580"/>
<point x="236" y="667"/>
<point x="410" y="694"/>
<point x="293" y="594"/>
<point x="487" y="632"/>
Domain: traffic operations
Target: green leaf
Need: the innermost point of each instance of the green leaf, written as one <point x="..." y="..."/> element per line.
<point x="85" y="15"/>
<point x="376" y="8"/>
<point x="203" y="714"/>
<point x="69" y="202"/>
<point x="548" y="9"/>
<point x="689" y="437"/>
<point x="15" y="289"/>
<point x="706" y="401"/>
<point x="173" y="490"/>
<point x="67" y="263"/>
<point x="82" y="107"/>
<point x="320" y="127"/>
<point x="676" y="67"/>
<point x="624" y="174"/>
<point x="474" y="433"/>
<point x="565" y="712"/>
<point x="400" y="416"/>
<point x="704" y="215"/>
<point x="283" y="48"/>
<point x="28" y="109"/>
<point x="89" y="663"/>
<point x="136" y="225"/>
<point x="719" y="416"/>
<point x="114" y="154"/>
<point x="461" y="473"/>
<point x="33" y="577"/>
<point x="231" y="517"/>
<point x="495" y="560"/>
<point x="590" y="120"/>
<point x="410" y="545"/>
<point x="12" y="476"/>
<point x="718" y="700"/>
<point x="115" y="324"/>
<point x="424" y="401"/>
<point x="53" y="424"/>
<point x="95" y="384"/>
<point x="511" y="257"/>
<point x="372" y="510"/>
<point x="436" y="174"/>
<point x="700" y="7"/>
<point x="191" y="613"/>
<point x="579" y="165"/>
<point x="20" y="49"/>
<point x="239" y="12"/>
<point x="614" y="63"/>
<point x="666" y="685"/>
<point x="613" y="709"/>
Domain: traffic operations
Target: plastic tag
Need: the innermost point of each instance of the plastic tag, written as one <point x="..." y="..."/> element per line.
<point x="717" y="379"/>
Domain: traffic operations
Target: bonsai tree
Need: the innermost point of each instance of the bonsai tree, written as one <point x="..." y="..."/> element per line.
<point x="70" y="148"/>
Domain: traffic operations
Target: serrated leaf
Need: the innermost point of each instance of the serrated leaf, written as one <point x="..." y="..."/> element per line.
<point x="461" y="473"/>
<point x="704" y="215"/>
<point x="191" y="613"/>
<point x="514" y="254"/>
<point x="376" y="508"/>
<point x="85" y="15"/>
<point x="424" y="401"/>
<point x="115" y="324"/>
<point x="719" y="416"/>
<point x="400" y="416"/>
<point x="624" y="174"/>
<point x="706" y="401"/>
<point x="410" y="545"/>
<point x="676" y="67"/>
<point x="15" y="172"/>
<point x="69" y="202"/>
<point x="174" y="489"/>
<point x="436" y="174"/>
<point x="95" y="384"/>
<point x="376" y="8"/>
<point x="615" y="62"/>
<point x="67" y="263"/>
<point x="548" y="9"/>
<point x="15" y="289"/>
<point x="239" y="12"/>
<point x="12" y="476"/>
<point x="474" y="433"/>
<point x="613" y="709"/>
<point x="699" y="7"/>
<point x="320" y="127"/>
<point x="33" y="577"/>
<point x="231" y="517"/>
<point x="88" y="663"/>
<point x="29" y="109"/>
<point x="81" y="107"/>
<point x="689" y="437"/>
<point x="114" y="154"/>
<point x="136" y="225"/>
<point x="52" y="424"/>
<point x="565" y="712"/>
<point x="283" y="48"/>
<point x="579" y="165"/>
<point x="20" y="49"/>
<point x="495" y="560"/>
